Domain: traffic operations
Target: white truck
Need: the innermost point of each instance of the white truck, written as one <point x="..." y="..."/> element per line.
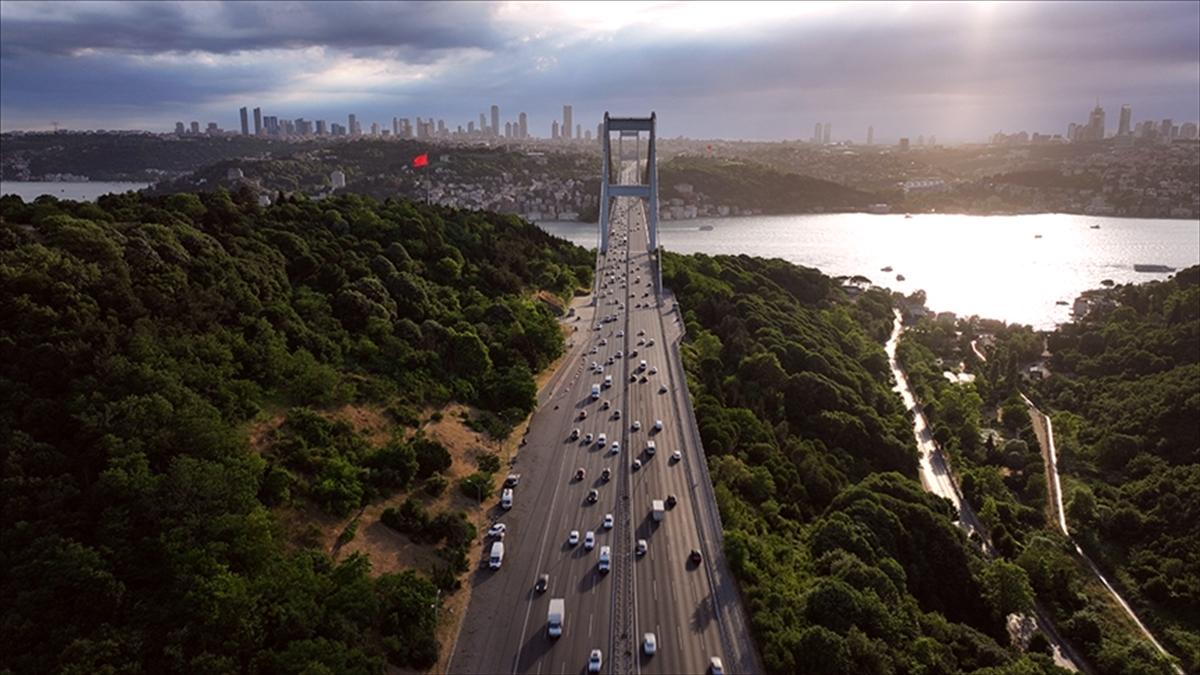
<point x="497" y="557"/>
<point x="595" y="391"/>
<point x="556" y="617"/>
<point x="650" y="449"/>
<point x="657" y="508"/>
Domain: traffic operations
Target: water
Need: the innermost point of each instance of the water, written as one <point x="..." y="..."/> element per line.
<point x="991" y="266"/>
<point x="80" y="192"/>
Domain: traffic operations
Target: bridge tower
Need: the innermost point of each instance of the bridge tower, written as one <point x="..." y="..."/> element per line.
<point x="647" y="186"/>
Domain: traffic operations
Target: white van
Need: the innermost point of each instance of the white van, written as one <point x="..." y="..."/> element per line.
<point x="497" y="557"/>
<point x="506" y="498"/>
<point x="607" y="381"/>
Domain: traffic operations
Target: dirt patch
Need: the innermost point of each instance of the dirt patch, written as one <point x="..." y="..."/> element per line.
<point x="369" y="421"/>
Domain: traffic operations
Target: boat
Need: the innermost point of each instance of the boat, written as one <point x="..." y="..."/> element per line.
<point x="886" y="269"/>
<point x="706" y="228"/>
<point x="908" y="215"/>
<point x="1060" y="302"/>
<point x="899" y="277"/>
<point x="1094" y="227"/>
<point x="1037" y="236"/>
<point x="1152" y="268"/>
<point x="1106" y="282"/>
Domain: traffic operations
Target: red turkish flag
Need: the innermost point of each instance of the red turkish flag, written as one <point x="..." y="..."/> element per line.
<point x="421" y="160"/>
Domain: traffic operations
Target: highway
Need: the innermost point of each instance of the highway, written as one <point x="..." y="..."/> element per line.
<point x="692" y="608"/>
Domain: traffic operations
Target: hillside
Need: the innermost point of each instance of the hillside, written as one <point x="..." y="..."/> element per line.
<point x="847" y="565"/>
<point x="749" y="185"/>
<point x="180" y="376"/>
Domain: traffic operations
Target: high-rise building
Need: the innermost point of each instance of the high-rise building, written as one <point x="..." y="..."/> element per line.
<point x="374" y="128"/>
<point x="508" y="129"/>
<point x="180" y="129"/>
<point x="870" y="135"/>
<point x="495" y="120"/>
<point x="213" y="129"/>
<point x="1164" y="131"/>
<point x="817" y="133"/>
<point x="578" y="131"/>
<point x="826" y="133"/>
<point x="1095" y="126"/>
<point x="1072" y="131"/>
<point x="903" y="144"/>
<point x="322" y="128"/>
<point x="554" y="131"/>
<point x="566" y="123"/>
<point x="195" y="127"/>
<point x="600" y="132"/>
<point x="1126" y="117"/>
<point x="245" y="121"/>
<point x="258" y="127"/>
<point x="522" y="126"/>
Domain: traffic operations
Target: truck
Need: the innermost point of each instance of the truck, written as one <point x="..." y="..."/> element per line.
<point x="556" y="617"/>
<point x="595" y="391"/>
<point x="506" y="499"/>
<point x="650" y="449"/>
<point x="497" y="557"/>
<point x="657" y="508"/>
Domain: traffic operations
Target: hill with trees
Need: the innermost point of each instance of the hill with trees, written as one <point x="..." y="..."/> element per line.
<point x="141" y="336"/>
<point x="750" y="185"/>
<point x="847" y="565"/>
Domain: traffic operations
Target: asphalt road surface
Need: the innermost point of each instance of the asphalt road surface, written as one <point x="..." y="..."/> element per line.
<point x="692" y="608"/>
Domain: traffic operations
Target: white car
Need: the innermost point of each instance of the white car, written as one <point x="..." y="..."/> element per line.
<point x="497" y="530"/>
<point x="650" y="342"/>
<point x="608" y="521"/>
<point x="641" y="332"/>
<point x="616" y="447"/>
<point x="653" y="370"/>
<point x="649" y="644"/>
<point x="642" y="547"/>
<point x="676" y="456"/>
<point x="662" y="389"/>
<point x="620" y="333"/>
<point x="658" y="425"/>
<point x="637" y="425"/>
<point x="714" y="665"/>
<point x="589" y="540"/>
<point x="573" y="538"/>
<point x="594" y="350"/>
<point x="595" y="661"/>
<point x="637" y="464"/>
<point x="603" y="342"/>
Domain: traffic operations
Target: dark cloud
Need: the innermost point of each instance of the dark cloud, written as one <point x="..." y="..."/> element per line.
<point x="959" y="71"/>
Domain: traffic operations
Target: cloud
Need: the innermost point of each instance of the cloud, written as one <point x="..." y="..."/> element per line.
<point x="757" y="71"/>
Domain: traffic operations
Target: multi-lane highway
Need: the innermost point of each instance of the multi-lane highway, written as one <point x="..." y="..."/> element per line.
<point x="691" y="607"/>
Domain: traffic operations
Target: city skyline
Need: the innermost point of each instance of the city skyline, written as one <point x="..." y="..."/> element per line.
<point x="957" y="71"/>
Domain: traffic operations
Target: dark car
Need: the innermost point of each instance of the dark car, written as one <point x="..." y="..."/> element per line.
<point x="695" y="557"/>
<point x="593" y="496"/>
<point x="542" y="584"/>
<point x="671" y="501"/>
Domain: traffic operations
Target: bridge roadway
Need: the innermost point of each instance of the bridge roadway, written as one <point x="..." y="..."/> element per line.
<point x="504" y="630"/>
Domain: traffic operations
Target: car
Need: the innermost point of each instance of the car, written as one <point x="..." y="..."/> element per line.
<point x="602" y="440"/>
<point x="610" y="361"/>
<point x="594" y="350"/>
<point x="715" y="667"/>
<point x="497" y="530"/>
<point x="633" y="377"/>
<point x="620" y="333"/>
<point x="542" y="584"/>
<point x="642" y="365"/>
<point x="605" y="558"/>
<point x="606" y="474"/>
<point x="662" y="389"/>
<point x="603" y="341"/>
<point x="637" y="425"/>
<point x="676" y="456"/>
<point x="512" y="480"/>
<point x="633" y="354"/>
<point x="583" y="414"/>
<point x="641" y="332"/>
<point x="620" y="354"/>
<point x="644" y="380"/>
<point x="617" y="414"/>
<point x="658" y="425"/>
<point x="637" y="464"/>
<point x="695" y="556"/>
<point x="616" y="447"/>
<point x="671" y="501"/>
<point x="642" y="547"/>
<point x="573" y="537"/>
<point x="650" y="342"/>
<point x="587" y="438"/>
<point x="580" y="473"/>
<point x="589" y="540"/>
<point x="608" y="521"/>
<point x="575" y="434"/>
<point x="593" y="496"/>
<point x="649" y="644"/>
<point x="595" y="661"/>
<point x="641" y="341"/>
<point x="605" y="405"/>
<point x="653" y="370"/>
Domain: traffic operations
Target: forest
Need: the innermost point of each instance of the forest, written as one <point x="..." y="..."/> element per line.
<point x="1123" y="392"/>
<point x="750" y="184"/>
<point x="140" y="337"/>
<point x="847" y="565"/>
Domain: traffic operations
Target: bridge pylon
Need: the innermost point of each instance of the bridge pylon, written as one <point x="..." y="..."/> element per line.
<point x="647" y="186"/>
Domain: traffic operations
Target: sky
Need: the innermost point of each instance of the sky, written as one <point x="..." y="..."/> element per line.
<point x="760" y="71"/>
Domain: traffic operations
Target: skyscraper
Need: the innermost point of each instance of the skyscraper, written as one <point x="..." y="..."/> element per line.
<point x="566" y="123"/>
<point x="321" y="130"/>
<point x="826" y="133"/>
<point x="870" y="135"/>
<point x="245" y="122"/>
<point x="578" y="131"/>
<point x="817" y="133"/>
<point x="353" y="125"/>
<point x="195" y="127"/>
<point x="1095" y="126"/>
<point x="508" y="129"/>
<point x="554" y="131"/>
<point x="523" y="126"/>
<point x="179" y="129"/>
<point x="495" y="120"/>
<point x="1126" y="116"/>
<point x="258" y="122"/>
